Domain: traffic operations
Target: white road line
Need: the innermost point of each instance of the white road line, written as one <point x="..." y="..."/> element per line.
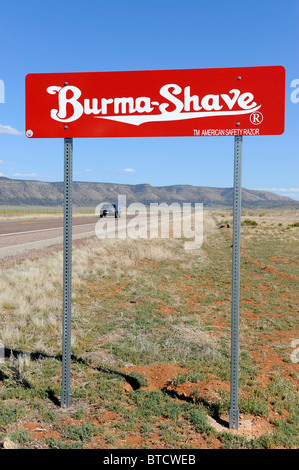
<point x="41" y="230"/>
<point x="51" y="241"/>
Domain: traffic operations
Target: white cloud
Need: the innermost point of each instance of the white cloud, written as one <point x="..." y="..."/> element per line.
<point x="89" y="170"/>
<point x="1" y="174"/>
<point x="25" y="175"/>
<point x="286" y="190"/>
<point x="124" y="170"/>
<point x="2" y="162"/>
<point x="293" y="193"/>
<point x="281" y="190"/>
<point x="9" y="130"/>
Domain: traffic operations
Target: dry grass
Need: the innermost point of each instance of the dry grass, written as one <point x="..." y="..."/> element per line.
<point x="148" y="302"/>
<point x="19" y="212"/>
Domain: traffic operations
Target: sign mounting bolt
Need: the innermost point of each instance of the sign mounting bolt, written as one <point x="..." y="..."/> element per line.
<point x="65" y="83"/>
<point x="65" y="127"/>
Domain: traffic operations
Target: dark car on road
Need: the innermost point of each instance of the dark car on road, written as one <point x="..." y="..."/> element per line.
<point x="110" y="210"/>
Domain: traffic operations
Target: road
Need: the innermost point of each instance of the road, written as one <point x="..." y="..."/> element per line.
<point x="19" y="236"/>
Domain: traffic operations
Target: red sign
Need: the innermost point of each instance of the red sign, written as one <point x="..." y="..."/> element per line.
<point x="196" y="102"/>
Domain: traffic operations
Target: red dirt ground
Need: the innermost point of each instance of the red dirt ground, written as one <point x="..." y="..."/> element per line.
<point x="160" y="376"/>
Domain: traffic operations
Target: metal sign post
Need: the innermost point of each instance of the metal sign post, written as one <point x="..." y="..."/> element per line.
<point x="67" y="276"/>
<point x="234" y="410"/>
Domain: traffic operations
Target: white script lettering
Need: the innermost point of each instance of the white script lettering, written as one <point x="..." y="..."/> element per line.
<point x="178" y="104"/>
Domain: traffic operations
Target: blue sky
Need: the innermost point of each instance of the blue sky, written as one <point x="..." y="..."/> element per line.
<point x="94" y="35"/>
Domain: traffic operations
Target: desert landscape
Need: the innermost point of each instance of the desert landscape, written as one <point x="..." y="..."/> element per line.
<point x="149" y="229"/>
<point x="151" y="341"/>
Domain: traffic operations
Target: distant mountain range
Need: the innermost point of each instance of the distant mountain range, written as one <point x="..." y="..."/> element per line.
<point x="39" y="193"/>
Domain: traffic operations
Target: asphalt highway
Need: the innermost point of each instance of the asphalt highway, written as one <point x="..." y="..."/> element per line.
<point x="12" y="227"/>
<point x="19" y="236"/>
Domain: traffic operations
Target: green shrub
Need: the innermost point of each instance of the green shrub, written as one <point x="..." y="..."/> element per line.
<point x="249" y="223"/>
<point x="10" y="414"/>
<point x="254" y="406"/>
<point x="55" y="444"/>
<point x="80" y="433"/>
<point x="199" y="420"/>
<point x="20" y="436"/>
